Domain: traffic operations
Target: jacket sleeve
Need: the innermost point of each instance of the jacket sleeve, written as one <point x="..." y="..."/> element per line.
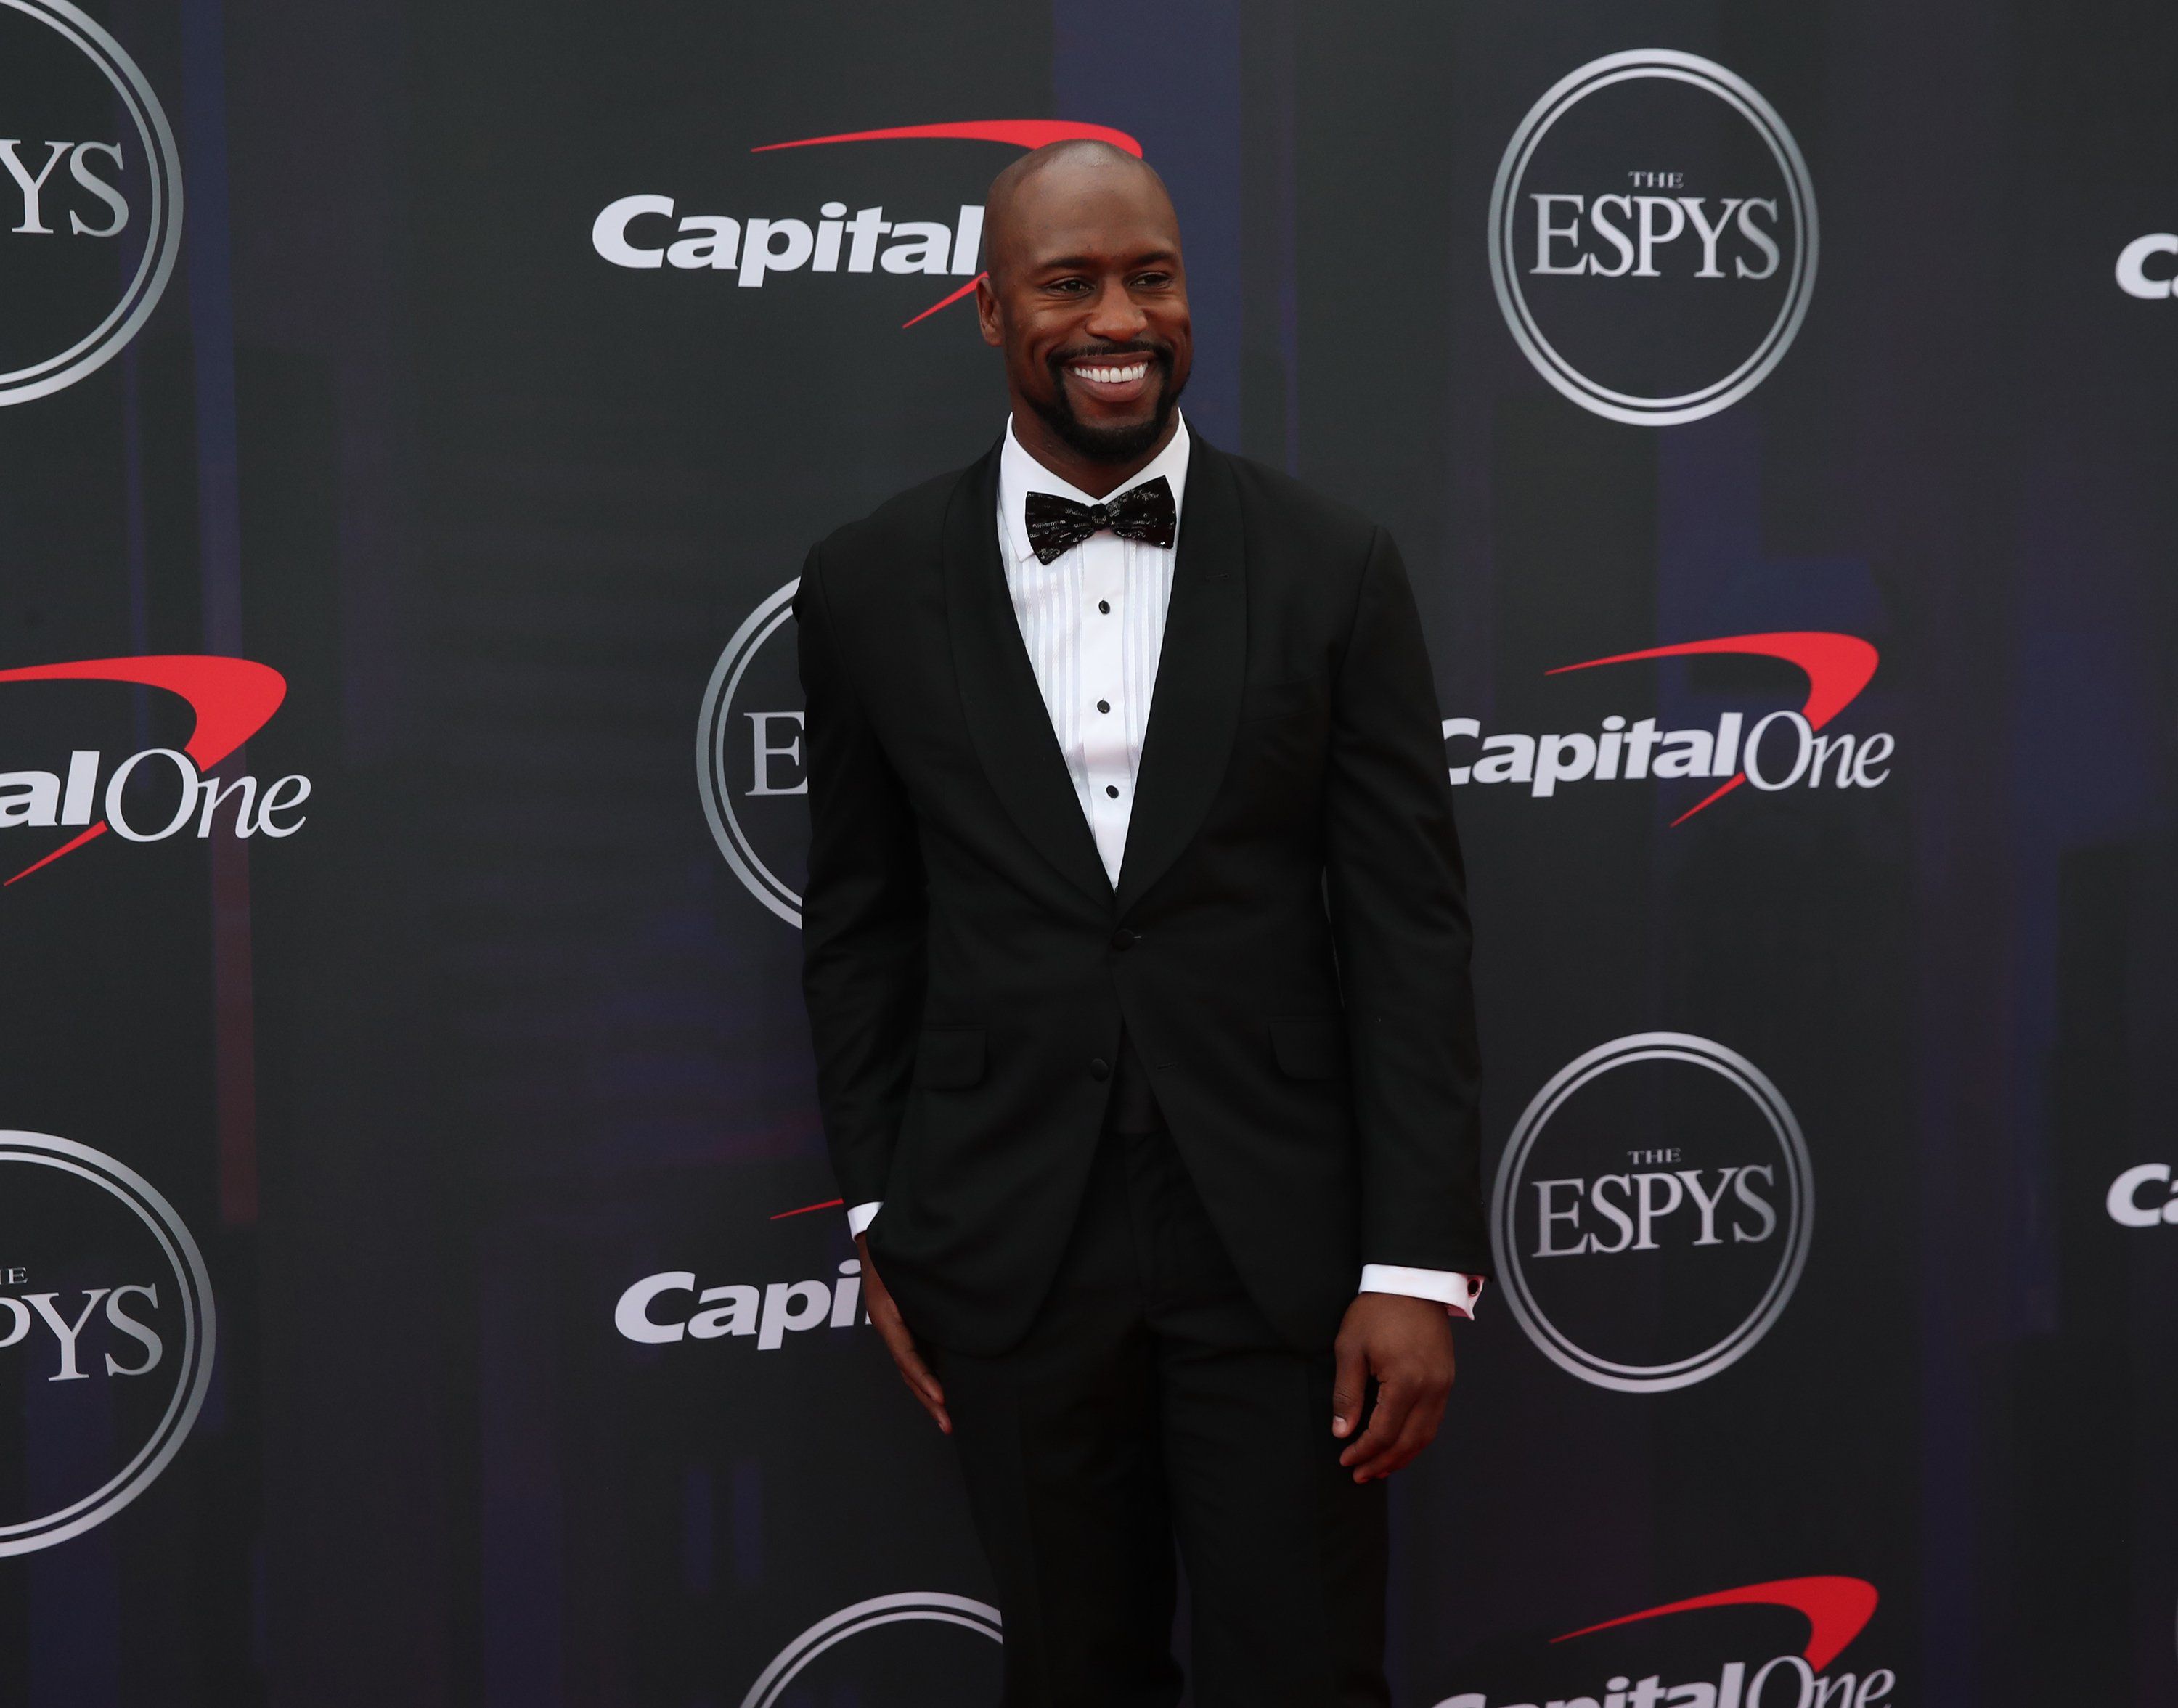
<point x="862" y="911"/>
<point x="1397" y="897"/>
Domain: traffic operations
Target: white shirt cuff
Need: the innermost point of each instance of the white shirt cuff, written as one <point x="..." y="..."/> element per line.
<point x="1456" y="1292"/>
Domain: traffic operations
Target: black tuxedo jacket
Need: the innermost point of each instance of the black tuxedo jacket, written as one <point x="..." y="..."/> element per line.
<point x="1287" y="950"/>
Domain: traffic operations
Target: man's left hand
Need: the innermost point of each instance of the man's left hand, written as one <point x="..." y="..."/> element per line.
<point x="1406" y="1344"/>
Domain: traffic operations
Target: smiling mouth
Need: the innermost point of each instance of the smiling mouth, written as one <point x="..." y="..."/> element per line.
<point x="1107" y="375"/>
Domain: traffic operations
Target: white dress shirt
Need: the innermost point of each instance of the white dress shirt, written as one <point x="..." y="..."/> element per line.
<point x="1093" y="619"/>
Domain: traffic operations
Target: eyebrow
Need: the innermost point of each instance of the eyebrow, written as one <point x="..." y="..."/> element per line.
<point x="1086" y="262"/>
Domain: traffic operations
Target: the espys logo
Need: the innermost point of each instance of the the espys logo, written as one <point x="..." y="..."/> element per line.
<point x="2133" y="277"/>
<point x="749" y="758"/>
<point x="158" y="792"/>
<point x="930" y="1607"/>
<point x="1611" y="1661"/>
<point x="1652" y="237"/>
<point x="651" y="232"/>
<point x="1653" y="1212"/>
<point x="1783" y="749"/>
<point x="93" y="198"/>
<point x="106" y="1331"/>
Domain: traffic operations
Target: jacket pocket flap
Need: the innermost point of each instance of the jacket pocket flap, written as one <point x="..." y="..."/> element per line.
<point x="947" y="1060"/>
<point x="1309" y="1049"/>
<point x="1283" y="700"/>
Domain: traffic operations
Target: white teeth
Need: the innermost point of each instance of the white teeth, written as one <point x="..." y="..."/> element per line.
<point x="1114" y="376"/>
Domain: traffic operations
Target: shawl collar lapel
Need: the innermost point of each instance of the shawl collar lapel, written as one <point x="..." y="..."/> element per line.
<point x="1195" y="712"/>
<point x="1008" y="721"/>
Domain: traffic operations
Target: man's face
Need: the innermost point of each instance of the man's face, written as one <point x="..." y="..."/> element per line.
<point x="1088" y="298"/>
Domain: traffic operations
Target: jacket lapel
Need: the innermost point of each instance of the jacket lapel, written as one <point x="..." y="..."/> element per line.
<point x="1007" y="719"/>
<point x="1195" y="712"/>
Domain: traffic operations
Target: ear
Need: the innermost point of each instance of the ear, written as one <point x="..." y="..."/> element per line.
<point x="987" y="315"/>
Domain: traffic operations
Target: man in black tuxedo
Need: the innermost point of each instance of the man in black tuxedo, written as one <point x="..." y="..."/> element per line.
<point x="1137" y="966"/>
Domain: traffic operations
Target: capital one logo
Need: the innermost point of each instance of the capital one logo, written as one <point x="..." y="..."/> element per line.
<point x="651" y="232"/>
<point x="1780" y="750"/>
<point x="1652" y="237"/>
<point x="2142" y="1196"/>
<point x="154" y="793"/>
<point x="669" y="1307"/>
<point x="1606" y="1665"/>
<point x="2134" y="278"/>
<point x="107" y="1332"/>
<point x="91" y="198"/>
<point x="1653" y="1212"/>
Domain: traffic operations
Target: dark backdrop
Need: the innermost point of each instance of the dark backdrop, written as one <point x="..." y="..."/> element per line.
<point x="500" y="1033"/>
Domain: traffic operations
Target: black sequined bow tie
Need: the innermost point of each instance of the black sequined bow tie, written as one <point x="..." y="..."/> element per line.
<point x="1144" y="512"/>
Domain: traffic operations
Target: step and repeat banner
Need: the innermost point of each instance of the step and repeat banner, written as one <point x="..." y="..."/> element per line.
<point x="420" y="1279"/>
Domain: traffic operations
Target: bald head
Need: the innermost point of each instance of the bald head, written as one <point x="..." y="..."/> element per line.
<point x="1058" y="184"/>
<point x="1086" y="295"/>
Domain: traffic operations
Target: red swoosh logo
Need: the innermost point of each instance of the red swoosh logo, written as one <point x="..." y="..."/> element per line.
<point x="1023" y="133"/>
<point x="829" y="1204"/>
<point x="1837" y="1610"/>
<point x="1838" y="667"/>
<point x="232" y="700"/>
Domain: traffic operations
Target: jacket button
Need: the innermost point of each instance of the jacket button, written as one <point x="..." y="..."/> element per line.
<point x="1123" y="938"/>
<point x="1099" y="1069"/>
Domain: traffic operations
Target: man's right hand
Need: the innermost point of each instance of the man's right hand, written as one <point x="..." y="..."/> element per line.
<point x="892" y="1327"/>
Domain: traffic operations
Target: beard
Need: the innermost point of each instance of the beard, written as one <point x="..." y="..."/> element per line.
<point x="1108" y="445"/>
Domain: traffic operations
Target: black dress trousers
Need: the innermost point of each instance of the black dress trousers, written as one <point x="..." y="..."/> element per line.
<point x="1151" y="1402"/>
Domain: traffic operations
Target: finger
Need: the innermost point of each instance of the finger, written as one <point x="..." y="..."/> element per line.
<point x="1418" y="1432"/>
<point x="1394" y="1399"/>
<point x="922" y="1380"/>
<point x="926" y="1391"/>
<point x="920" y="1377"/>
<point x="907" y="1358"/>
<point x="1417" y="1435"/>
<point x="1350" y="1382"/>
<point x="918" y="1374"/>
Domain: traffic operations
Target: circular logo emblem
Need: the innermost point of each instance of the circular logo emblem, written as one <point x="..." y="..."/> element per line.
<point x="105" y="1333"/>
<point x="91" y="192"/>
<point x="925" y="1605"/>
<point x="1652" y="237"/>
<point x="749" y="758"/>
<point x="1653" y="1212"/>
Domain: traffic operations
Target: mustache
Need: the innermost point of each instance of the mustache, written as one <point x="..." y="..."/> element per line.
<point x="1155" y="348"/>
